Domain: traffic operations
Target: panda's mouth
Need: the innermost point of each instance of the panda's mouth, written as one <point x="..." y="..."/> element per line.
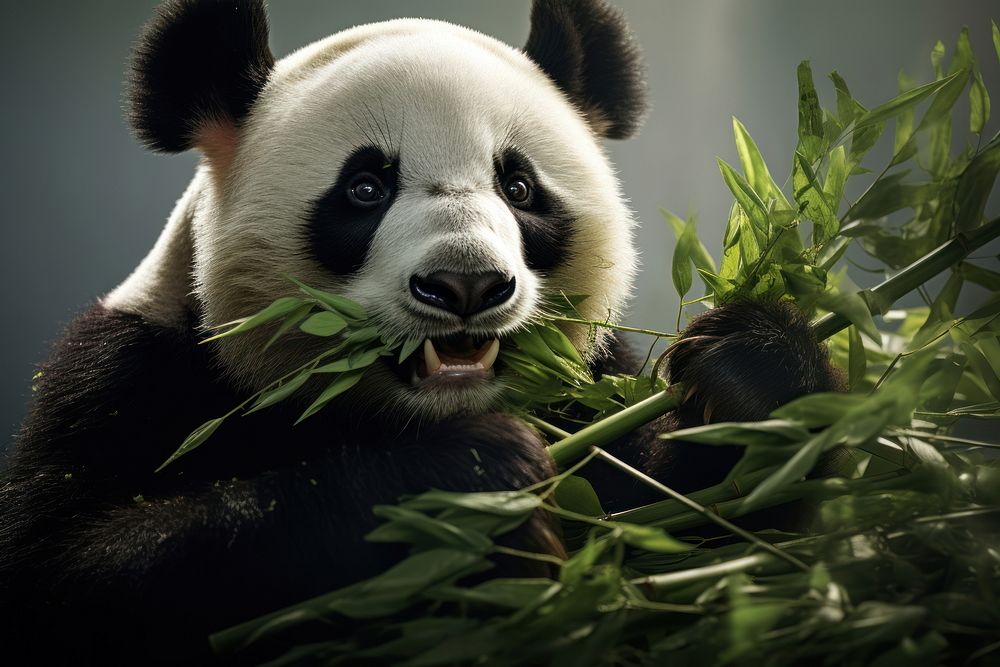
<point x="456" y="358"/>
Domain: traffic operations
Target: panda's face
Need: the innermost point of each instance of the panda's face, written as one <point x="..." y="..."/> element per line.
<point x="435" y="176"/>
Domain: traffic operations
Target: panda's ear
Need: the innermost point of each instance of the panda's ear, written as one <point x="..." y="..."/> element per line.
<point x="195" y="72"/>
<point x="587" y="48"/>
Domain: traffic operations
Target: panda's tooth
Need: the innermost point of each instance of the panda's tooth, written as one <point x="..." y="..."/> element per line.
<point x="491" y="355"/>
<point x="431" y="359"/>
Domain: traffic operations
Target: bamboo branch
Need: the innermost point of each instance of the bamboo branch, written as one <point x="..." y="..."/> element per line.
<point x="698" y="509"/>
<point x="881" y="297"/>
<point x="608" y="430"/>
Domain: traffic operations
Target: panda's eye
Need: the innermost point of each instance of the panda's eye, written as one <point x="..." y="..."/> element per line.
<point x="365" y="190"/>
<point x="517" y="190"/>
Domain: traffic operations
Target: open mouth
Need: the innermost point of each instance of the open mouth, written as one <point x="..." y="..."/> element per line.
<point x="455" y="358"/>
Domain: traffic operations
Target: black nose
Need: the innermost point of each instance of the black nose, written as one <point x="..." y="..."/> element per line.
<point x="462" y="293"/>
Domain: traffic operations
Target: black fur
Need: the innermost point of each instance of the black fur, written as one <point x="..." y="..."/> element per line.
<point x="261" y="517"/>
<point x="587" y="48"/>
<point x="196" y="61"/>
<point x="546" y="224"/>
<point x="340" y="233"/>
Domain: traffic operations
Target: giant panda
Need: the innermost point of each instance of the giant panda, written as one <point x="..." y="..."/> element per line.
<point x="442" y="179"/>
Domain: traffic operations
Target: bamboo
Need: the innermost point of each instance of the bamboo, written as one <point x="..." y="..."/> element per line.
<point x="701" y="511"/>
<point x="598" y="434"/>
<point x="881" y="297"/>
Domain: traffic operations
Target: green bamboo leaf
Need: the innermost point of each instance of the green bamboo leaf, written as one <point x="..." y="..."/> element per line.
<point x="939" y="391"/>
<point x="836" y="178"/>
<point x="889" y="194"/>
<point x="341" y="384"/>
<point x="805" y="282"/>
<point x="946" y="96"/>
<point x="904" y="101"/>
<point x="407" y="525"/>
<point x="816" y="410"/>
<point x="979" y="103"/>
<point x="982" y="367"/>
<point x="747" y="199"/>
<point x="754" y="167"/>
<point x="325" y="323"/>
<point x="904" y="121"/>
<point x="362" y="336"/>
<point x="996" y="39"/>
<point x="699" y="254"/>
<point x="810" y="115"/>
<point x="720" y="287"/>
<point x="937" y="57"/>
<point x="847" y="107"/>
<point x="501" y="503"/>
<point x="975" y="186"/>
<point x="412" y="344"/>
<point x="279" y="393"/>
<point x="290" y="322"/>
<point x="343" y="306"/>
<point x="681" y="265"/>
<point x="810" y="197"/>
<point x="508" y="593"/>
<point x="990" y="347"/>
<point x="577" y="495"/>
<point x="980" y="275"/>
<point x="651" y="538"/>
<point x="857" y="363"/>
<point x="194" y="440"/>
<point x="559" y="343"/>
<point x="574" y="569"/>
<point x="862" y="141"/>
<point x="941" y="312"/>
<point x="356" y="360"/>
<point x="769" y="432"/>
<point x="852" y="306"/>
<point x="280" y="308"/>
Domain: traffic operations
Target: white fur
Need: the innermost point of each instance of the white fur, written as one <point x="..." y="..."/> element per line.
<point x="447" y="100"/>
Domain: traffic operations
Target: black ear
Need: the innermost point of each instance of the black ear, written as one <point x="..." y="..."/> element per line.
<point x="587" y="48"/>
<point x="197" y="62"/>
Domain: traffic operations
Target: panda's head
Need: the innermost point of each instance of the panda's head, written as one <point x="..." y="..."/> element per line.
<point x="446" y="181"/>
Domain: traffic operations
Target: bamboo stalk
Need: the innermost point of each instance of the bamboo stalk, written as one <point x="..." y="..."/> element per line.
<point x="669" y="579"/>
<point x="701" y="511"/>
<point x="881" y="297"/>
<point x="600" y="433"/>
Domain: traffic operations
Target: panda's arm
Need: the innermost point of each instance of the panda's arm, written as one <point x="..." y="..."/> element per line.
<point x="82" y="555"/>
<point x="738" y="362"/>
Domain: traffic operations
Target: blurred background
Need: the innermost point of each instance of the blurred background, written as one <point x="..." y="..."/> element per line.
<point x="83" y="203"/>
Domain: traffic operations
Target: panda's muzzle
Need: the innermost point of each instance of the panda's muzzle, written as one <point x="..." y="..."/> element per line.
<point x="459" y="358"/>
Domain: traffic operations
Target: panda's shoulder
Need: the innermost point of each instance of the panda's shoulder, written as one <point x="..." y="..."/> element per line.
<point x="112" y="369"/>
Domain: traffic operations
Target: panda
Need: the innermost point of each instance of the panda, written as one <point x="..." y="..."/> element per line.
<point x="447" y="182"/>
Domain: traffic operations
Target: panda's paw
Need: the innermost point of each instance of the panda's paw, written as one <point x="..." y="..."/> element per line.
<point x="740" y="361"/>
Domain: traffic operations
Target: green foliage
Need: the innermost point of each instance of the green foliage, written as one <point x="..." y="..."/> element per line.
<point x="900" y="565"/>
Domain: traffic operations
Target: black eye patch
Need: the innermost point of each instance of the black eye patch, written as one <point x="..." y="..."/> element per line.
<point x="545" y="222"/>
<point x="342" y="222"/>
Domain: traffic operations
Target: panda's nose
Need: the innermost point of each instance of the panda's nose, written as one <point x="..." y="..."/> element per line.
<point x="462" y="293"/>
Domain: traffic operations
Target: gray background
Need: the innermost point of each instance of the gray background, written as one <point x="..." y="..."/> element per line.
<point x="82" y="202"/>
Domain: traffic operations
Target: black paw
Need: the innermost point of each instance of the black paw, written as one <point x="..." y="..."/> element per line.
<point x="741" y="361"/>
